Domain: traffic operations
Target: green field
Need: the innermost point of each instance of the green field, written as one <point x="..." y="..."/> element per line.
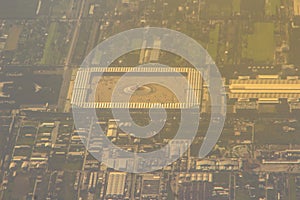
<point x="60" y="8"/>
<point x="81" y="45"/>
<point x="213" y="42"/>
<point x="19" y="187"/>
<point x="292" y="188"/>
<point x="49" y="53"/>
<point x="236" y="6"/>
<point x="219" y="8"/>
<point x="243" y="194"/>
<point x="221" y="178"/>
<point x="260" y="45"/>
<point x="67" y="192"/>
<point x="268" y="133"/>
<point x="55" y="46"/>
<point x="73" y="165"/>
<point x="25" y="141"/>
<point x="22" y="152"/>
<point x="295" y="46"/>
<point x="271" y="7"/>
<point x="18" y="9"/>
<point x="13" y="37"/>
<point x="254" y="7"/>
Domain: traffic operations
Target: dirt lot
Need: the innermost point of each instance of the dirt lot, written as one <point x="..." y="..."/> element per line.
<point x="149" y="93"/>
<point x="13" y="37"/>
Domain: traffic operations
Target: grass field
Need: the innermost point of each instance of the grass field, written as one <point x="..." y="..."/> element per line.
<point x="236" y="6"/>
<point x="72" y="165"/>
<point x="60" y="8"/>
<point x="271" y="6"/>
<point x="3" y="136"/>
<point x="295" y="46"/>
<point x="25" y="141"/>
<point x="219" y="8"/>
<point x="67" y="192"/>
<point x="260" y="45"/>
<point x="243" y="194"/>
<point x="45" y="8"/>
<point x="55" y="47"/>
<point x="254" y="7"/>
<point x="13" y="37"/>
<point x="49" y="54"/>
<point x="213" y="42"/>
<point x="18" y="9"/>
<point x="81" y="45"/>
<point x="292" y="188"/>
<point x="266" y="133"/>
<point x="19" y="187"/>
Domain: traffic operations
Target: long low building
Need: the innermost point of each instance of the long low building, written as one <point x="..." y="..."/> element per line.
<point x="116" y="184"/>
<point x="296" y="7"/>
<point x="265" y="88"/>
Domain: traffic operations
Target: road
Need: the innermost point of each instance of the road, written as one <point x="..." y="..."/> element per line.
<point x="67" y="68"/>
<point x="133" y="182"/>
<point x="7" y="154"/>
<point x="86" y="153"/>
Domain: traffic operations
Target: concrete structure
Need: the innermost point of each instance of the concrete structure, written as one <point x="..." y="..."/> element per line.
<point x="116" y="184"/>
<point x="150" y="186"/>
<point x="265" y="89"/>
<point x="83" y="86"/>
<point x="112" y="129"/>
<point x="296" y="7"/>
<point x="2" y="95"/>
<point x="294" y="105"/>
<point x="227" y="164"/>
<point x="155" y="51"/>
<point x="178" y="147"/>
<point x="206" y="165"/>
